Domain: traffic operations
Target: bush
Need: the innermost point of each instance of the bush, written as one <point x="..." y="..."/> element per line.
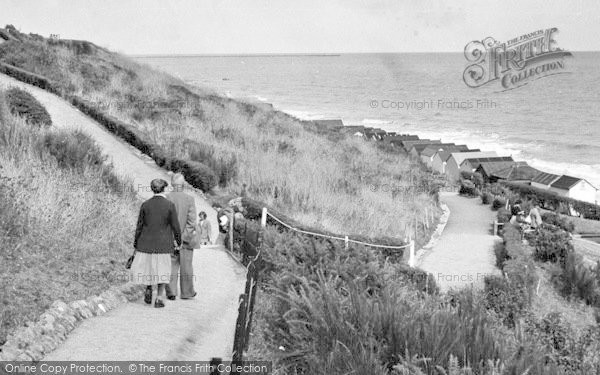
<point x="196" y="174"/>
<point x="72" y="150"/>
<point x="225" y="168"/>
<point x="498" y="203"/>
<point x="580" y="280"/>
<point x="486" y="198"/>
<point x="22" y="103"/>
<point x="500" y="253"/>
<point x="467" y="188"/>
<point x="510" y="297"/>
<point x="552" y="246"/>
<point x="559" y="221"/>
<point x="424" y="281"/>
<point x="503" y="215"/>
<point x="508" y="301"/>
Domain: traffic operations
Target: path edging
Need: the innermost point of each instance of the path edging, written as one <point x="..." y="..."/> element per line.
<point x="34" y="340"/>
<point x="435" y="236"/>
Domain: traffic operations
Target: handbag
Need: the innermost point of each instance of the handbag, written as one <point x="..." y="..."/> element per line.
<point x="195" y="239"/>
<point x="129" y="261"/>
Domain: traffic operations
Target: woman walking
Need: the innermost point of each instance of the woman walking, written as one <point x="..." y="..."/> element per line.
<point x="157" y="230"/>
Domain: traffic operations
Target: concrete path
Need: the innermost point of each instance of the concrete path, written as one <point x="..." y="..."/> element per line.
<point x="197" y="329"/>
<point x="464" y="253"/>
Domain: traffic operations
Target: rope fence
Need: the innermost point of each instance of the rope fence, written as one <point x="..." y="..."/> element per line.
<point x="410" y="245"/>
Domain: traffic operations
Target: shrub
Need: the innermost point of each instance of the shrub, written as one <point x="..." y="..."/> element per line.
<point x="508" y="301"/>
<point x="423" y="280"/>
<point x="498" y="203"/>
<point x="500" y="253"/>
<point x="467" y="188"/>
<point x="486" y="197"/>
<point x="72" y="150"/>
<point x="225" y="168"/>
<point x="580" y="280"/>
<point x="511" y="296"/>
<point x="503" y="215"/>
<point x="559" y="221"/>
<point x="198" y="175"/>
<point x="552" y="246"/>
<point x="24" y="104"/>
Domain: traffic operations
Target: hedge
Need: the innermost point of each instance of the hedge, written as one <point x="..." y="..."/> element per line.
<point x="549" y="198"/>
<point x="27" y="77"/>
<point x="511" y="296"/>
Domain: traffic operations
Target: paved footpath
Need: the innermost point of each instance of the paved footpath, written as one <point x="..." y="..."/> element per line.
<point x="197" y="329"/>
<point x="464" y="253"/>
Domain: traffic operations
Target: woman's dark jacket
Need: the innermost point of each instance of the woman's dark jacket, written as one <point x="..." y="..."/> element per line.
<point x="157" y="227"/>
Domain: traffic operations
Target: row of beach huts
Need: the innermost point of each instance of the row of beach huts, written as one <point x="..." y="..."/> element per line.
<point x="451" y="159"/>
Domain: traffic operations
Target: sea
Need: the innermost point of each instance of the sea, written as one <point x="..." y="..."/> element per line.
<point x="553" y="122"/>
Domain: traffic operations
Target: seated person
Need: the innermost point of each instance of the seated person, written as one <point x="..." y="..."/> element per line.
<point x="520" y="219"/>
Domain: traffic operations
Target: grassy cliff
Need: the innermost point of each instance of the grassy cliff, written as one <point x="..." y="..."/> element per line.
<point x="321" y="180"/>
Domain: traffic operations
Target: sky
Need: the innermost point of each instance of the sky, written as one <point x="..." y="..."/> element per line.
<point x="302" y="26"/>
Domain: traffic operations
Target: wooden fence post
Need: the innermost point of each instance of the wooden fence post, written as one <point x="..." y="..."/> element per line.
<point x="238" y="341"/>
<point x="346" y="242"/>
<point x="411" y="258"/>
<point x="231" y="233"/>
<point x="263" y="218"/>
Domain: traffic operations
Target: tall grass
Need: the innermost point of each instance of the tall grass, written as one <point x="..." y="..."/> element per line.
<point x="64" y="231"/>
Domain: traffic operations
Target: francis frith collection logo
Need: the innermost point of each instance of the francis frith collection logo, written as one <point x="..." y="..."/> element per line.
<point x="515" y="62"/>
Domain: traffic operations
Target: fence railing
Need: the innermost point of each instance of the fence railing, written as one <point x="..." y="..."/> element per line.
<point x="410" y="245"/>
<point x="251" y="247"/>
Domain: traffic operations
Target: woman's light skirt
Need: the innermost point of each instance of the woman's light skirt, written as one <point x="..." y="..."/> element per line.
<point x="151" y="269"/>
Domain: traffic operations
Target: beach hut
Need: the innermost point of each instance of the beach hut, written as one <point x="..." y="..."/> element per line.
<point x="488" y="168"/>
<point x="544" y="180"/>
<point x="471" y="164"/>
<point x="375" y="133"/>
<point x="407" y="145"/>
<point x="355" y="130"/>
<point x="576" y="188"/>
<point x="519" y="172"/>
<point x="429" y="152"/>
<point x="440" y="158"/>
<point x="452" y="168"/>
<point x="399" y="138"/>
<point x="416" y="149"/>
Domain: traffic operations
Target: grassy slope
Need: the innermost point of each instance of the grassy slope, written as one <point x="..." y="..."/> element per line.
<point x="322" y="181"/>
<point x="64" y="233"/>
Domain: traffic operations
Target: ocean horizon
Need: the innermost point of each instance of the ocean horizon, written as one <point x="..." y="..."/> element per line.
<point x="552" y="123"/>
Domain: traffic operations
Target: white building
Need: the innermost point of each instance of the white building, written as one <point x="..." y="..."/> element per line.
<point x="575" y="188"/>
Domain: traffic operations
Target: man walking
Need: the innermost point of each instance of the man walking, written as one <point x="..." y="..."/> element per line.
<point x="181" y="262"/>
